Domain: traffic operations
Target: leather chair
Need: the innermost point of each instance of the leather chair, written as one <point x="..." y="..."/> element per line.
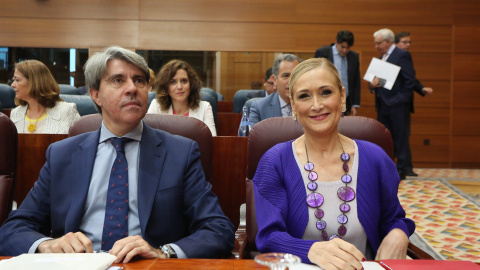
<point x="272" y="131"/>
<point x="67" y="89"/>
<point x="8" y="164"/>
<point x="84" y="103"/>
<point x="240" y="98"/>
<point x="211" y="92"/>
<point x="206" y="95"/>
<point x="185" y="126"/>
<point x="7" y="96"/>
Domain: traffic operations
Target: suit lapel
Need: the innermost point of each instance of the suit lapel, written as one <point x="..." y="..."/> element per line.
<point x="83" y="158"/>
<point x="152" y="157"/>
<point x="274" y="110"/>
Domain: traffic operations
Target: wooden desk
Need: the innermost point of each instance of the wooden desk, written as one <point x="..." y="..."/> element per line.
<point x="187" y="264"/>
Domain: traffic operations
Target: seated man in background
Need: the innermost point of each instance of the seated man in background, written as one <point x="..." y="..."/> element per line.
<point x="268" y="85"/>
<point x="278" y="103"/>
<point x="88" y="199"/>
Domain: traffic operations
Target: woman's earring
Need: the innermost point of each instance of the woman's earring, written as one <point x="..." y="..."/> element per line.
<point x="294" y="117"/>
<point x="344" y="109"/>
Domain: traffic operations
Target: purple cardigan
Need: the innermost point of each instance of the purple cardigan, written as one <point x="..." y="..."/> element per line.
<point x="282" y="214"/>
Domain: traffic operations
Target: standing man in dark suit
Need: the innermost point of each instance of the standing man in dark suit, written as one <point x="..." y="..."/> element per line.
<point x="167" y="208"/>
<point x="277" y="104"/>
<point x="393" y="106"/>
<point x="348" y="65"/>
<point x="403" y="41"/>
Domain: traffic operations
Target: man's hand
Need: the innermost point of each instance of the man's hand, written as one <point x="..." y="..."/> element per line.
<point x="353" y="111"/>
<point x="127" y="248"/>
<point x="335" y="254"/>
<point x="427" y="90"/>
<point x="393" y="246"/>
<point x="69" y="243"/>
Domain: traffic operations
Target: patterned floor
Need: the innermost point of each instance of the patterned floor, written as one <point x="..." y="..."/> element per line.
<point x="457" y="174"/>
<point x="448" y="221"/>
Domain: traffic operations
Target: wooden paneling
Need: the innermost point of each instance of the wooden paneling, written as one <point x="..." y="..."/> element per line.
<point x="31" y="157"/>
<point x="466" y="67"/>
<point x="466" y="12"/>
<point x="225" y="106"/>
<point x="466" y="37"/>
<point x="440" y="98"/>
<point x="432" y="66"/>
<point x="61" y="9"/>
<point x="228" y="123"/>
<point x="466" y="94"/>
<point x="24" y="32"/>
<point x="229" y="174"/>
<point x="466" y="121"/>
<point x="465" y="150"/>
<point x="437" y="150"/>
<point x="431" y="121"/>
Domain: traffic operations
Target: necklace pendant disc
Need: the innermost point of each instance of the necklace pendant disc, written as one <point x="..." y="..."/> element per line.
<point x="321" y="224"/>
<point x="32" y="127"/>
<point x="342" y="230"/>
<point x="315" y="200"/>
<point x="346" y="193"/>
<point x="324" y="236"/>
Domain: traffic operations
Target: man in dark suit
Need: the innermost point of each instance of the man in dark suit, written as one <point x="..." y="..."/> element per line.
<point x="171" y="211"/>
<point x="277" y="104"/>
<point x="268" y="85"/>
<point x="393" y="106"/>
<point x="403" y="41"/>
<point x="348" y="65"/>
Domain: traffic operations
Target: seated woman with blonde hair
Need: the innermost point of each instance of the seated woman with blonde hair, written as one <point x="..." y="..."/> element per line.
<point x="324" y="197"/>
<point x="40" y="108"/>
<point x="178" y="92"/>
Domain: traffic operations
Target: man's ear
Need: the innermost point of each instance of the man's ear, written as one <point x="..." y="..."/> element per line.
<point x="94" y="96"/>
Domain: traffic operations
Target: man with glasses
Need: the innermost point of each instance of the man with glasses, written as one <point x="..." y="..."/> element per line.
<point x="348" y="65"/>
<point x="126" y="189"/>
<point x="268" y="85"/>
<point x="403" y="41"/>
<point x="277" y="104"/>
<point x="393" y="106"/>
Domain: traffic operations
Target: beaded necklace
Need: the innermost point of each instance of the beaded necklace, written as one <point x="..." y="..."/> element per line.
<point x="315" y="199"/>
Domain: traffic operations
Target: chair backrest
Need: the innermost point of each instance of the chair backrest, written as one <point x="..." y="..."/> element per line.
<point x="8" y="164"/>
<point x="7" y="96"/>
<point x="84" y="103"/>
<point x="248" y="104"/>
<point x="211" y="92"/>
<point x="185" y="126"/>
<point x="220" y="97"/>
<point x="67" y="89"/>
<point x="272" y="131"/>
<point x="151" y="96"/>
<point x="206" y="95"/>
<point x="240" y="97"/>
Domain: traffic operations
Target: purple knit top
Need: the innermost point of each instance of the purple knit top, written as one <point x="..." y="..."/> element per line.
<point x="282" y="212"/>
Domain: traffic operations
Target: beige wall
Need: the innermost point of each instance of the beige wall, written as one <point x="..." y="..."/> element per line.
<point x="445" y="49"/>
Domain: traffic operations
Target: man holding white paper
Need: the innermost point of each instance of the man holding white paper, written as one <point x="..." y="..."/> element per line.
<point x="393" y="106"/>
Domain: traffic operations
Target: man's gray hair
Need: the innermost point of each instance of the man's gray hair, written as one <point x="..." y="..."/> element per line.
<point x="96" y="66"/>
<point x="386" y="34"/>
<point x="285" y="57"/>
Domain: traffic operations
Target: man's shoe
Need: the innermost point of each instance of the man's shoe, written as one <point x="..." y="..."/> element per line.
<point x="402" y="176"/>
<point x="411" y="173"/>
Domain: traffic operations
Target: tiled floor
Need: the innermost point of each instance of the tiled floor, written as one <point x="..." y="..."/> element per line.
<point x="458" y="174"/>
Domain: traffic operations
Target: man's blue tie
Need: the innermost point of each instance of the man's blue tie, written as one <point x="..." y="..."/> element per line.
<point x="115" y="226"/>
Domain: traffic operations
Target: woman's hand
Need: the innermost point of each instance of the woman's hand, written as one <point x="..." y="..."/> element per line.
<point x="393" y="246"/>
<point x="336" y="254"/>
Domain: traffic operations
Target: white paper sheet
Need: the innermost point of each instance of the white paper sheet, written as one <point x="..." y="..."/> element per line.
<point x="384" y="70"/>
<point x="366" y="266"/>
<point x="57" y="261"/>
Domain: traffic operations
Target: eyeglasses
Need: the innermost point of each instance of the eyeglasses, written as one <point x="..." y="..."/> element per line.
<point x="269" y="83"/>
<point x="379" y="42"/>
<point x="406" y="42"/>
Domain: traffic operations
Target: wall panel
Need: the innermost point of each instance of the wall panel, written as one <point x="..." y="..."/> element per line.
<point x="430" y="121"/>
<point x="437" y="150"/>
<point x="467" y="39"/>
<point x="466" y="94"/>
<point x="465" y="150"/>
<point x="68" y="9"/>
<point x="466" y="67"/>
<point x="52" y="33"/>
<point x="466" y="121"/>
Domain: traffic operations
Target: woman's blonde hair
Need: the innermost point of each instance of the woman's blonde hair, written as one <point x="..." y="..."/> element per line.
<point x="41" y="84"/>
<point x="311" y="64"/>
